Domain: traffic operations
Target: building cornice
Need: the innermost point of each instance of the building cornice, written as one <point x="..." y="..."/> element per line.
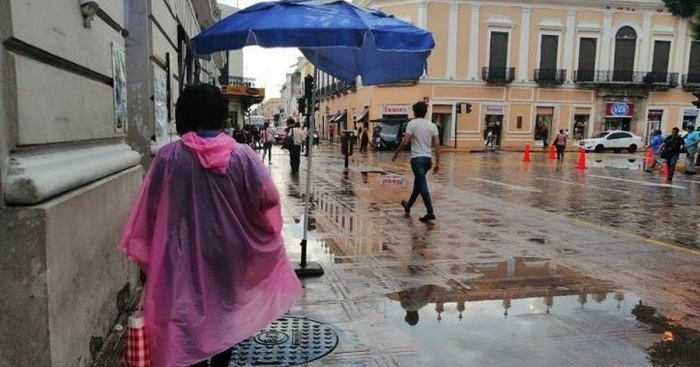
<point x="620" y="5"/>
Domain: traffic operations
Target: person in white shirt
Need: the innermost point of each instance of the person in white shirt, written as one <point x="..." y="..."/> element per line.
<point x="423" y="137"/>
<point x="298" y="138"/>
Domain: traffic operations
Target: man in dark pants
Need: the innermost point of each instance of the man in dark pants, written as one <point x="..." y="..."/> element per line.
<point x="298" y="137"/>
<point x="670" y="151"/>
<point x="423" y="137"/>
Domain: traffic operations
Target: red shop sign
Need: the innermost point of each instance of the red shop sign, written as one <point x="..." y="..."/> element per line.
<point x="619" y="109"/>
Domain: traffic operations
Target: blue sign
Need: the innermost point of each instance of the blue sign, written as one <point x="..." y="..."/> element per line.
<point x="620" y="109"/>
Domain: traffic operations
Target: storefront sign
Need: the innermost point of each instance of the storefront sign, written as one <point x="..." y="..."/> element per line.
<point x="392" y="109"/>
<point x="619" y="109"/>
<point x="495" y="110"/>
<point x="690" y="112"/>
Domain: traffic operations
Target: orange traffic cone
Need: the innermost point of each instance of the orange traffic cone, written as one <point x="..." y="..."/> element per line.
<point x="526" y="155"/>
<point x="581" y="164"/>
<point x="649" y="158"/>
<point x="552" y="152"/>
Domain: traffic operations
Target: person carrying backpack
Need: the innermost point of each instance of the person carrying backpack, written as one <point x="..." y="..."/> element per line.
<point x="268" y="137"/>
<point x="560" y="144"/>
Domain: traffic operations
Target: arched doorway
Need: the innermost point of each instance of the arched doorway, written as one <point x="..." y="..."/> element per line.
<point x="625" y="47"/>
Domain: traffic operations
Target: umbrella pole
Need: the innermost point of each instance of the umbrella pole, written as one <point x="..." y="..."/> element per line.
<point x="309" y="269"/>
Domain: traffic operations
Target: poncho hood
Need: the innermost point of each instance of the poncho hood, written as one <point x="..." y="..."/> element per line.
<point x="212" y="153"/>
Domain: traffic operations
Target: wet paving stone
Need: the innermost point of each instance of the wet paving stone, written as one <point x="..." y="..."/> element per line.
<point x="543" y="268"/>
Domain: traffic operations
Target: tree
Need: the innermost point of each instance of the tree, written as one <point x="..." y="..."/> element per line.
<point x="686" y="9"/>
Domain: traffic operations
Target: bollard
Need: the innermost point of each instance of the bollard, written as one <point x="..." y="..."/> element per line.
<point x="347" y="142"/>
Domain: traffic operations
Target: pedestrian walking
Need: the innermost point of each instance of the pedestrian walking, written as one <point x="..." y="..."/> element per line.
<point x="670" y="151"/>
<point x="657" y="140"/>
<point x="331" y="131"/>
<point x="298" y="138"/>
<point x="206" y="231"/>
<point x="364" y="139"/>
<point x="545" y="138"/>
<point x="560" y="144"/>
<point x="691" y="146"/>
<point x="422" y="135"/>
<point x="268" y="137"/>
<point x="489" y="140"/>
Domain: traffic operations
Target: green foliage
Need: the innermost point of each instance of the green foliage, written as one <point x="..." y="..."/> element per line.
<point x="682" y="8"/>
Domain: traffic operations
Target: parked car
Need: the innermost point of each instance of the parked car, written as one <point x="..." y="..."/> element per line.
<point x="612" y="140"/>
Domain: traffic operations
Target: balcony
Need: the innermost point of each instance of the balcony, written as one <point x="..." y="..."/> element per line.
<point x="498" y="75"/>
<point x="609" y="77"/>
<point x="691" y="81"/>
<point x="550" y="76"/>
<point x="241" y="81"/>
<point x="661" y="80"/>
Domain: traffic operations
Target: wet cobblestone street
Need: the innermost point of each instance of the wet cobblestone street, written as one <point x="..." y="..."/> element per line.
<point x="536" y="264"/>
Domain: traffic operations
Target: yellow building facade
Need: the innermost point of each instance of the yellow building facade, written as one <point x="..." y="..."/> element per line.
<point x="528" y="69"/>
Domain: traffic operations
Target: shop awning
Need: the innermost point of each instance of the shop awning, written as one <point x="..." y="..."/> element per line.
<point x="334" y="117"/>
<point x="364" y="116"/>
<point x="342" y="117"/>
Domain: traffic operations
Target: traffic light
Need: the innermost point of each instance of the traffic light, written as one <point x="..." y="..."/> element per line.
<point x="308" y="86"/>
<point x="301" y="105"/>
<point x="468" y="108"/>
<point x="459" y="108"/>
<point x="696" y="102"/>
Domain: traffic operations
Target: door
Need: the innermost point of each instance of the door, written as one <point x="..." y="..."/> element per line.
<point x="586" y="59"/>
<point x="498" y="56"/>
<point x="549" y="49"/>
<point x="659" y="65"/>
<point x="625" y="45"/>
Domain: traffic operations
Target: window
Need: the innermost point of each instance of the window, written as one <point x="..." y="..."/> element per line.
<point x="549" y="48"/>
<point x="625" y="47"/>
<point x="659" y="65"/>
<point x="618" y="136"/>
<point x="694" y="63"/>
<point x="586" y="59"/>
<point x="498" y="55"/>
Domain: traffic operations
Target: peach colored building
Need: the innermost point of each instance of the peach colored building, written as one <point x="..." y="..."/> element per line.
<point x="530" y="68"/>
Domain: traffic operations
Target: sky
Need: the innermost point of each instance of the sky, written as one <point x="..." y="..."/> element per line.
<point x="268" y="66"/>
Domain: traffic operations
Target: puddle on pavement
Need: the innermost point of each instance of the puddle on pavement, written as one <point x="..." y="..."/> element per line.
<point x="545" y="326"/>
<point x="679" y="346"/>
<point x="624" y="162"/>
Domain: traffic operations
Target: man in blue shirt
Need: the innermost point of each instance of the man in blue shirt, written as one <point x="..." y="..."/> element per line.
<point x="691" y="145"/>
<point x="657" y="139"/>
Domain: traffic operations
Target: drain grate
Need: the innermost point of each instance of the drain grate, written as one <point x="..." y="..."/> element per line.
<point x="287" y="342"/>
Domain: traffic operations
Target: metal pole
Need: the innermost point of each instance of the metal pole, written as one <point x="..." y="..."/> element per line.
<point x="309" y="269"/>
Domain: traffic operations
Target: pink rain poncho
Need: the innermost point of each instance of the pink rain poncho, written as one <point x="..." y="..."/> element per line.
<point x="206" y="229"/>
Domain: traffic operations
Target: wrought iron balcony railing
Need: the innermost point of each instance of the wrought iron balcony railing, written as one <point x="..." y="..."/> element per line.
<point x="498" y="75"/>
<point x="609" y="77"/>
<point x="691" y="80"/>
<point x="661" y="79"/>
<point x="550" y="76"/>
<point x="239" y="80"/>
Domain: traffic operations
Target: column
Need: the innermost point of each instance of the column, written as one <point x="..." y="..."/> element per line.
<point x="422" y="15"/>
<point x="474" y="44"/>
<point x="645" y="47"/>
<point x="452" y="41"/>
<point x="606" y="47"/>
<point x="569" y="42"/>
<point x="680" y="47"/>
<point x="524" y="52"/>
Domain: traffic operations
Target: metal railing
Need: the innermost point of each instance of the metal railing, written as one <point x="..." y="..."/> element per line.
<point x="550" y="76"/>
<point x="609" y="76"/>
<point x="498" y="75"/>
<point x="661" y="79"/>
<point x="242" y="81"/>
<point x="691" y="80"/>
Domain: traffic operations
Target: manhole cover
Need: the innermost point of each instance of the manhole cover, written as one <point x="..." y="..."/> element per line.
<point x="287" y="342"/>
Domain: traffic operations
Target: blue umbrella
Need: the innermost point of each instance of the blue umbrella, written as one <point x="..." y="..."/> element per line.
<point x="339" y="38"/>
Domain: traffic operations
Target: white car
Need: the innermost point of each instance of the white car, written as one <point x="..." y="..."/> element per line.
<point x="615" y="140"/>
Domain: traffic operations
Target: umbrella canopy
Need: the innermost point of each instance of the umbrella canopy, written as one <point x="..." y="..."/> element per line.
<point x="339" y="38"/>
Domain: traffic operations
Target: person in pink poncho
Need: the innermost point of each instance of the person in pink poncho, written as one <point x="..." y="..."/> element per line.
<point x="206" y="231"/>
